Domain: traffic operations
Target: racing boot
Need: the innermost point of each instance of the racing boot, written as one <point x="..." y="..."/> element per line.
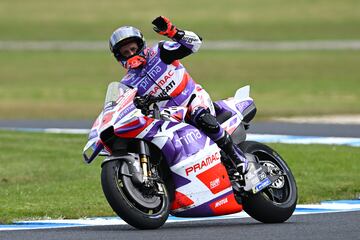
<point x="252" y="175"/>
<point x="236" y="155"/>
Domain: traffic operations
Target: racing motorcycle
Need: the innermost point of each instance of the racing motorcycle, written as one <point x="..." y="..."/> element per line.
<point x="157" y="164"/>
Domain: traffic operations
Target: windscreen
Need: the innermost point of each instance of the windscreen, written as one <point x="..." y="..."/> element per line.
<point x="114" y="91"/>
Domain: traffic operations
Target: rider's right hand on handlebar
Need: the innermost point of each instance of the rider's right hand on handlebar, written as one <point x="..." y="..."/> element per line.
<point x="142" y="102"/>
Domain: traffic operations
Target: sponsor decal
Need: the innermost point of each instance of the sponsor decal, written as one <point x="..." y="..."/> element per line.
<point x="189" y="137"/>
<point x="225" y="205"/>
<point x="189" y="39"/>
<point x="215" y="178"/>
<point x="215" y="183"/>
<point x="205" y="163"/>
<point x="221" y="202"/>
<point x="262" y="176"/>
<point x="125" y="112"/>
<point x="171" y="45"/>
<point x="144" y="83"/>
<point x="185" y="92"/>
<point x="241" y="106"/>
<point x="162" y="82"/>
<point x="262" y="185"/>
<point x="167" y="89"/>
<point x="150" y="74"/>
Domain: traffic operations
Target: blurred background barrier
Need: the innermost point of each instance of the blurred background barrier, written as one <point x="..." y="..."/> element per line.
<point x="207" y="45"/>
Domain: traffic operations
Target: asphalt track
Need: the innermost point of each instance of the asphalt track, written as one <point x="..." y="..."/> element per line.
<point x="315" y="226"/>
<point x="300" y="129"/>
<point x="328" y="226"/>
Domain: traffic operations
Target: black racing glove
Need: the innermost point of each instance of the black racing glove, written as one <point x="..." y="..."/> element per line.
<point x="164" y="27"/>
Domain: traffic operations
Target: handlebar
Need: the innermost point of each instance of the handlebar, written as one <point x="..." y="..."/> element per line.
<point x="159" y="99"/>
<point x="144" y="102"/>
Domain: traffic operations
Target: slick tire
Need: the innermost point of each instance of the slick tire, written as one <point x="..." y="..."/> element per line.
<point x="271" y="205"/>
<point x="128" y="202"/>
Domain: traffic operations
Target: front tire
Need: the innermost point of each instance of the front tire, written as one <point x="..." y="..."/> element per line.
<point x="276" y="203"/>
<point x="140" y="210"/>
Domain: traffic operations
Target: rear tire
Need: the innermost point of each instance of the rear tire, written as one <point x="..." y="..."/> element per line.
<point x="129" y="202"/>
<point x="276" y="203"/>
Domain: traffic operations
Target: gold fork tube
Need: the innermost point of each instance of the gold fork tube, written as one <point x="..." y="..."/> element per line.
<point x="144" y="165"/>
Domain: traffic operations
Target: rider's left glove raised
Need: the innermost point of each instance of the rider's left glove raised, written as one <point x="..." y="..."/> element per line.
<point x="164" y="27"/>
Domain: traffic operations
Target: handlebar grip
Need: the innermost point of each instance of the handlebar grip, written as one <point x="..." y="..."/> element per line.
<point x="143" y="102"/>
<point x="162" y="98"/>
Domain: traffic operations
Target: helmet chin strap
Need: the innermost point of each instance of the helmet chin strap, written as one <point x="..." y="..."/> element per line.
<point x="135" y="62"/>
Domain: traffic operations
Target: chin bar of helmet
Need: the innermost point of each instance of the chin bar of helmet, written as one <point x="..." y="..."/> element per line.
<point x="135" y="61"/>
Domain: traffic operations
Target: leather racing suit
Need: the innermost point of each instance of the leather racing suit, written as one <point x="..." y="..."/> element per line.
<point x="164" y="75"/>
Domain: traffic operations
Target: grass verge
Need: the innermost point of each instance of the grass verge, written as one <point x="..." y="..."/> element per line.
<point x="43" y="176"/>
<point x="227" y="19"/>
<point x="72" y="85"/>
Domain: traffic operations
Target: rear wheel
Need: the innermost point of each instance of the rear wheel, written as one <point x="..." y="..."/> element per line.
<point x="139" y="206"/>
<point x="276" y="203"/>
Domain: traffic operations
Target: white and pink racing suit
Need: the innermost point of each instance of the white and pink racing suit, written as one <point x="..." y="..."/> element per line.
<point x="164" y="75"/>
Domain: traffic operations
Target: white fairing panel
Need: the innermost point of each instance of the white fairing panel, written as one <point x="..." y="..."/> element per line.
<point x="242" y="93"/>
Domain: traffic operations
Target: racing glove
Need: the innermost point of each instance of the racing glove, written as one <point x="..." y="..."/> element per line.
<point x="163" y="26"/>
<point x="142" y="102"/>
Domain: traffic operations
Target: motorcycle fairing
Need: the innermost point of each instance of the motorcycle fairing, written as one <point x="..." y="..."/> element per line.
<point x="202" y="186"/>
<point x="118" y="110"/>
<point x="239" y="108"/>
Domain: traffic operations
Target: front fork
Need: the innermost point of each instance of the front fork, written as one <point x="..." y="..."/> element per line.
<point x="144" y="154"/>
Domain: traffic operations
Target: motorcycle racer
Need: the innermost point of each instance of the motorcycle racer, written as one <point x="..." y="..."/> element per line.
<point x="157" y="71"/>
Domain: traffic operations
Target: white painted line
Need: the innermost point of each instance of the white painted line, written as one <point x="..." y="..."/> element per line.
<point x="265" y="138"/>
<point x="324" y="207"/>
<point x="51" y="130"/>
<point x="67" y="131"/>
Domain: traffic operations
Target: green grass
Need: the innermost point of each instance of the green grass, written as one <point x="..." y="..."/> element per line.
<point x="227" y="19"/>
<point x="72" y="85"/>
<point x="43" y="176"/>
<point x="323" y="172"/>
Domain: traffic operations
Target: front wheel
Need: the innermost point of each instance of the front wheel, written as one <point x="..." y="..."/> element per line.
<point x="139" y="207"/>
<point x="276" y="203"/>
